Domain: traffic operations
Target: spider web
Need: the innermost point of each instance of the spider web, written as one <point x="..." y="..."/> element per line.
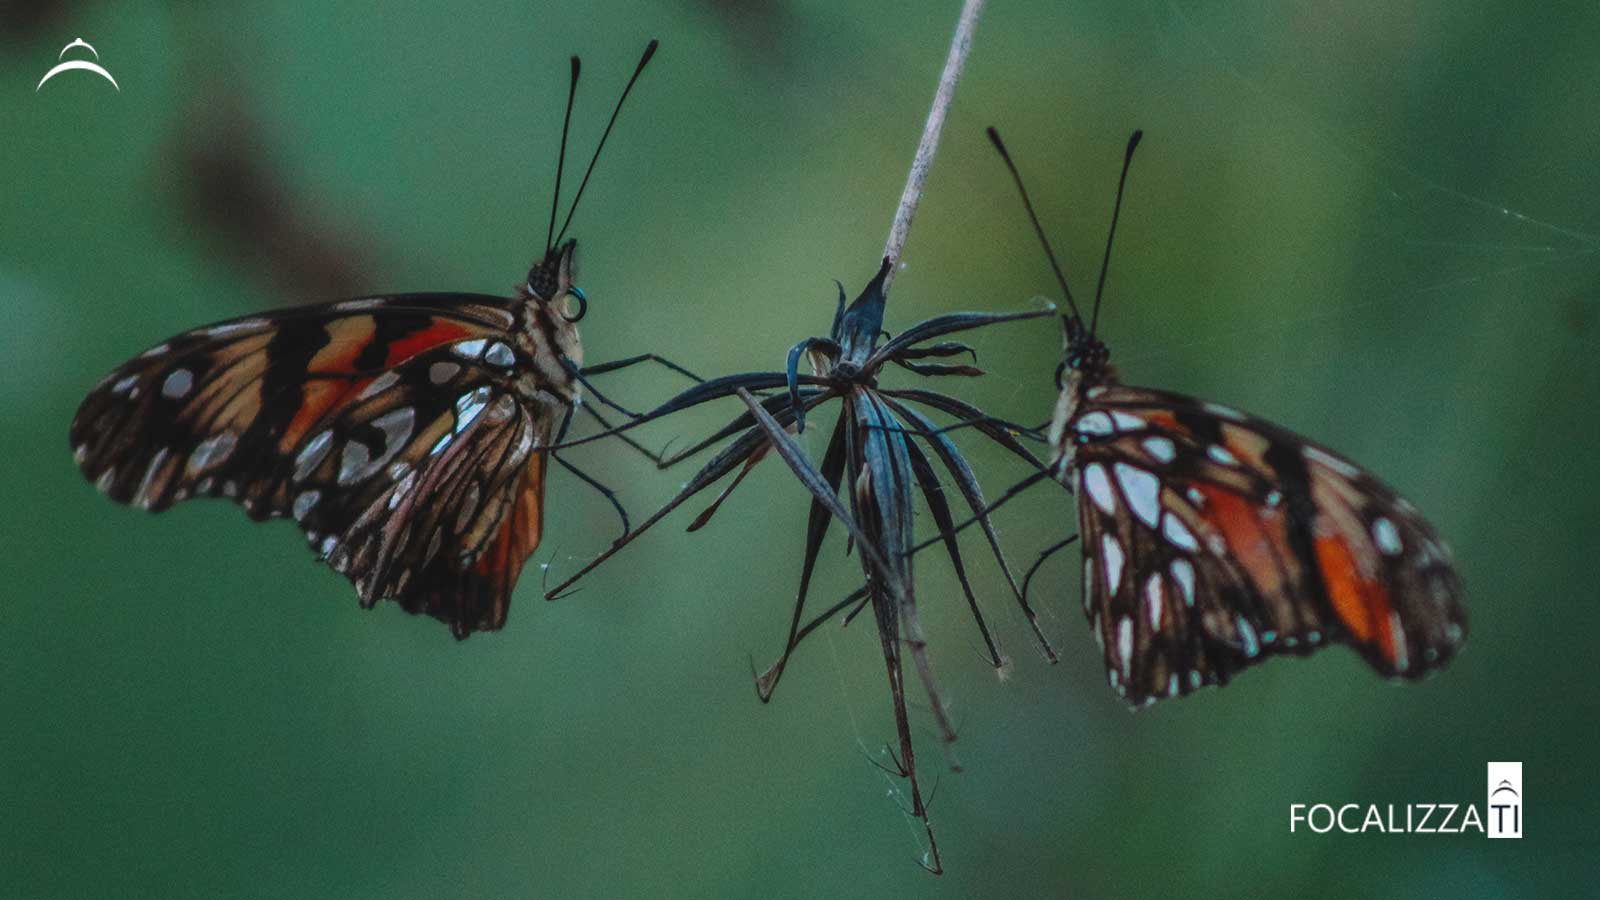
<point x="1418" y="203"/>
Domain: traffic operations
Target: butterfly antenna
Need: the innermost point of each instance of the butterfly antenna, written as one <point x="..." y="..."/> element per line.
<point x="994" y="138"/>
<point x="649" y="51"/>
<point x="1116" y="210"/>
<point x="561" y="156"/>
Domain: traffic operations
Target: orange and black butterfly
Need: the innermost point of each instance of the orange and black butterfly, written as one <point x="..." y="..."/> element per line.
<point x="405" y="433"/>
<point x="1212" y="539"/>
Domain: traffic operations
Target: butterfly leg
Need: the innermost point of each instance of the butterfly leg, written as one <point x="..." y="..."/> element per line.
<point x="602" y="368"/>
<point x="616" y="364"/>
<point x="1009" y="493"/>
<point x="606" y="492"/>
<point x="1043" y="555"/>
<point x="605" y="423"/>
<point x="1032" y="434"/>
<point x="561" y="433"/>
<point x="577" y="375"/>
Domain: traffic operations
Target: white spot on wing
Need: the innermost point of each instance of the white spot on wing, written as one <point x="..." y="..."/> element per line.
<point x="1142" y="490"/>
<point x="1152" y="600"/>
<point x="1160" y="448"/>
<point x="353" y="461"/>
<point x="1183" y="574"/>
<point x="1397" y="640"/>
<point x="122" y="386"/>
<point x="1126" y="421"/>
<point x="469" y="349"/>
<point x="379" y="385"/>
<point x="442" y="371"/>
<point x="1098" y="486"/>
<point x="1247" y="638"/>
<point x="500" y="355"/>
<point x="231" y="328"/>
<point x="1111" y="552"/>
<point x="357" y="463"/>
<point x="1178" y="533"/>
<point x="1318" y="455"/>
<point x="312" y="454"/>
<point x="177" y="384"/>
<point x="1387" y="537"/>
<point x="1226" y="412"/>
<point x="1221" y="455"/>
<point x="1125" y="644"/>
<point x="142" y="497"/>
<point x="304" y="503"/>
<point x="157" y="350"/>
<point x="396" y="426"/>
<point x="1095" y="423"/>
<point x="468" y="406"/>
<point x="212" y="452"/>
<point x="103" y="483"/>
<point x="354" y="305"/>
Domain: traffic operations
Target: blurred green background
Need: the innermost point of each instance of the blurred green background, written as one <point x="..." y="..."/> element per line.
<point x="1372" y="222"/>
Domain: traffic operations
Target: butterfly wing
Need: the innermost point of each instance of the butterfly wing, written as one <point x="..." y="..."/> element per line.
<point x="1213" y="540"/>
<point x="330" y="414"/>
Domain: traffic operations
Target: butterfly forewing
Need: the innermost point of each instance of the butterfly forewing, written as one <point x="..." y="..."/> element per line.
<point x="401" y="433"/>
<point x="1213" y="539"/>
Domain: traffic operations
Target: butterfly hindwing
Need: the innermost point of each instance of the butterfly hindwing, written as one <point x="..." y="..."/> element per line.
<point x="1232" y="539"/>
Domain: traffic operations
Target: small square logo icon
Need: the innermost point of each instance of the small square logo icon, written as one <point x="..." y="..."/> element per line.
<point x="1504" y="817"/>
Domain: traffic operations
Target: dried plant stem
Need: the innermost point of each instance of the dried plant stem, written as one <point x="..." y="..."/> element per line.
<point x="960" y="46"/>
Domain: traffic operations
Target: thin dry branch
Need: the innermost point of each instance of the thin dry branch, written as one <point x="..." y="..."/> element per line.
<point x="960" y="46"/>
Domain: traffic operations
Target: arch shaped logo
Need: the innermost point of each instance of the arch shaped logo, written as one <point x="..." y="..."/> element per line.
<point x="68" y="65"/>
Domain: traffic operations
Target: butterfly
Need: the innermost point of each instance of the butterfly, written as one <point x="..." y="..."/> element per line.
<point x="404" y="433"/>
<point x="1213" y="539"/>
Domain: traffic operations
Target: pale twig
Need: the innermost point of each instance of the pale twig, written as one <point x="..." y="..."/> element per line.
<point x="960" y="45"/>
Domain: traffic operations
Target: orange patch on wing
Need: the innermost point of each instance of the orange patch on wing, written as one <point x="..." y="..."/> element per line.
<point x="1163" y="420"/>
<point x="1362" y="605"/>
<point x="519" y="536"/>
<point x="347" y="338"/>
<point x="1246" y="445"/>
<point x="1258" y="541"/>
<point x="440" y="332"/>
<point x="317" y="398"/>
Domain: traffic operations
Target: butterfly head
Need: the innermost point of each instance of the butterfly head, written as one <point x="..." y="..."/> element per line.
<point x="1087" y="361"/>
<point x="562" y="303"/>
<point x="1086" y="354"/>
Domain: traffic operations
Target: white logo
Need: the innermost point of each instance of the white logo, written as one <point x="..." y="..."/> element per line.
<point x="1505" y="800"/>
<point x="1501" y="817"/>
<point x="83" y="64"/>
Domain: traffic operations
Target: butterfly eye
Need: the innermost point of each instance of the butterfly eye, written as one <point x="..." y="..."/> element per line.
<point x="576" y="293"/>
